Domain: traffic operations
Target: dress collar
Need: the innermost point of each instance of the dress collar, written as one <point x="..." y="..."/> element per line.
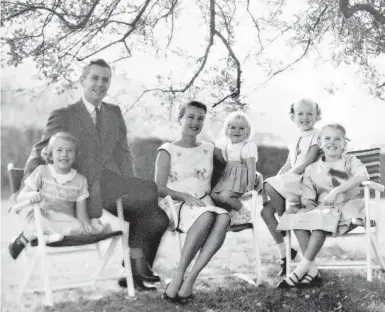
<point x="306" y="132"/>
<point x="62" y="178"/>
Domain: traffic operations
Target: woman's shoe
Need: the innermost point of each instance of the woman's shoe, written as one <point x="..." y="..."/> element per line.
<point x="184" y="300"/>
<point x="168" y="298"/>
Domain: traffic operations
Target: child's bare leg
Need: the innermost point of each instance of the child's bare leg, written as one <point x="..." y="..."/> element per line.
<point x="316" y="241"/>
<point x="276" y="205"/>
<point x="196" y="237"/>
<point x="303" y="237"/>
<point x="230" y="199"/>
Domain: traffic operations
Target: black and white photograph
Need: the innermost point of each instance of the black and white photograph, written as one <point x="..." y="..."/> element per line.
<point x="192" y="155"/>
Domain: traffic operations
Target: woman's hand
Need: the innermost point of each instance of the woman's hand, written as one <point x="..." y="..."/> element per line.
<point x="331" y="197"/>
<point x="194" y="201"/>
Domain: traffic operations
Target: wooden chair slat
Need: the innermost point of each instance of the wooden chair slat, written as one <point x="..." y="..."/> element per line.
<point x="15" y="178"/>
<point x="365" y="151"/>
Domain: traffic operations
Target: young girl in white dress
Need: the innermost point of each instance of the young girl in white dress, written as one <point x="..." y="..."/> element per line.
<point x="60" y="191"/>
<point x="286" y="185"/>
<point x="330" y="200"/>
<point x="240" y="156"/>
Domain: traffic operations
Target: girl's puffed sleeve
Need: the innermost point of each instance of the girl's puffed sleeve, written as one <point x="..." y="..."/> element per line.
<point x="250" y="150"/>
<point x="83" y="192"/>
<point x="356" y="167"/>
<point x="34" y="180"/>
<point x="309" y="193"/>
<point x="316" y="139"/>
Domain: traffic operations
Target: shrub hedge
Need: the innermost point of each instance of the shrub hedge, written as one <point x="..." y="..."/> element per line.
<point x="16" y="146"/>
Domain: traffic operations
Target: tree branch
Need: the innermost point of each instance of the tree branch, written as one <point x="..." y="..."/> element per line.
<point x="32" y="8"/>
<point x="348" y="10"/>
<point x="237" y="89"/>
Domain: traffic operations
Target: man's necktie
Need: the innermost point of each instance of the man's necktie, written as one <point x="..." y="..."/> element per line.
<point x="98" y="122"/>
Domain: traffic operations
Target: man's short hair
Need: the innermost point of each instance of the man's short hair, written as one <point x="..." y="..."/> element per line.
<point x="99" y="62"/>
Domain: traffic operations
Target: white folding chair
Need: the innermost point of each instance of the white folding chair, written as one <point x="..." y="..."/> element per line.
<point x="250" y="201"/>
<point x="371" y="159"/>
<point x="69" y="245"/>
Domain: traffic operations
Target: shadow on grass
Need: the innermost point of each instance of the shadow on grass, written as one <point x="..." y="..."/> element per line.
<point x="340" y="292"/>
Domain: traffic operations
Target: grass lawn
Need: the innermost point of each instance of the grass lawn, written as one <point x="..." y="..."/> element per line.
<point x="218" y="289"/>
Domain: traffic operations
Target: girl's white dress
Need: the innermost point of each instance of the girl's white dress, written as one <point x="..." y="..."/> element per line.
<point x="289" y="184"/>
<point x="60" y="191"/>
<point x="234" y="177"/>
<point x="319" y="179"/>
<point x="190" y="172"/>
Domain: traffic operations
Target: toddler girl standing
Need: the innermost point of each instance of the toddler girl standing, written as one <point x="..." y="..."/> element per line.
<point x="331" y="203"/>
<point x="60" y="191"/>
<point x="240" y="156"/>
<point x="287" y="184"/>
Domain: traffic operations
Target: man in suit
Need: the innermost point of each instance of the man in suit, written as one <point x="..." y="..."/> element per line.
<point x="104" y="158"/>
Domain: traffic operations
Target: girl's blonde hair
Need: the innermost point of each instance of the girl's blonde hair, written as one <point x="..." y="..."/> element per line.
<point x="309" y="101"/>
<point x="46" y="152"/>
<point x="340" y="127"/>
<point x="240" y="116"/>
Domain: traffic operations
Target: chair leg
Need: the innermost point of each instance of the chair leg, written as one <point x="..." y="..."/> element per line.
<point x="28" y="273"/>
<point x="106" y="257"/>
<point x="288" y="252"/>
<point x="369" y="266"/>
<point x="99" y="250"/>
<point x="258" y="264"/>
<point x="46" y="276"/>
<point x="126" y="252"/>
<point x="127" y="265"/>
<point x="180" y="244"/>
<point x="378" y="255"/>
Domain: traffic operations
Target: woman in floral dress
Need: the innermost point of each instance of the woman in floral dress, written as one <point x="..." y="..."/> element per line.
<point x="183" y="170"/>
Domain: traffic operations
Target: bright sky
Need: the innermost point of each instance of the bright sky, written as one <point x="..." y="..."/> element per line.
<point x="350" y="104"/>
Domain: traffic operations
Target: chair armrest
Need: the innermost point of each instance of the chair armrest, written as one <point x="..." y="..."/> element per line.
<point x="373" y="185"/>
<point x="119" y="208"/>
<point x="18" y="206"/>
<point x="39" y="225"/>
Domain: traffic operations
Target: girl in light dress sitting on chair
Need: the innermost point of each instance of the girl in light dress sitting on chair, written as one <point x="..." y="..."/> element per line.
<point x="60" y="191"/>
<point x="239" y="176"/>
<point x="330" y="204"/>
<point x="286" y="185"/>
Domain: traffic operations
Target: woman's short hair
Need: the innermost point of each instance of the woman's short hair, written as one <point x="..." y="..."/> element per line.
<point x="309" y="101"/>
<point x="197" y="104"/>
<point x="46" y="152"/>
<point x="240" y="116"/>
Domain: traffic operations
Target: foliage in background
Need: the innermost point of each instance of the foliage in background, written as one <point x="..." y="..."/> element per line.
<point x="223" y="39"/>
<point x="16" y="146"/>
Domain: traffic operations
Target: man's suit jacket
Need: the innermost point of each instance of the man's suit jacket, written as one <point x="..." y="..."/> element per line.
<point x="93" y="155"/>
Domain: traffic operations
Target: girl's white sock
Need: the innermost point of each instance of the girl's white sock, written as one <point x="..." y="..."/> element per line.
<point x="281" y="249"/>
<point x="313" y="271"/>
<point x="302" y="268"/>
